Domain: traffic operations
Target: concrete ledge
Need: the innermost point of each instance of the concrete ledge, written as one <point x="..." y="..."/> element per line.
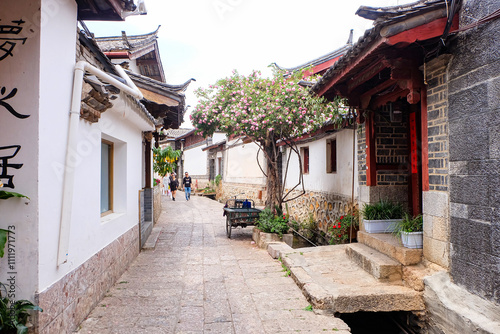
<point x="375" y="263"/>
<point x="453" y="309"/>
<point x="331" y="281"/>
<point x="390" y="246"/>
<point x="152" y="239"/>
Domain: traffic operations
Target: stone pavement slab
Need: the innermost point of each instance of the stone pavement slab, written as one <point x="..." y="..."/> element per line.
<point x="196" y="280"/>
<point x="331" y="281"/>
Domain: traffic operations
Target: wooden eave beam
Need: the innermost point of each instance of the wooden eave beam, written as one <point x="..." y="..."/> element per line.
<point x="366" y="96"/>
<point x="367" y="74"/>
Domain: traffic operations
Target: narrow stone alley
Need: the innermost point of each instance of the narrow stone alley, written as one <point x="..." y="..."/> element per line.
<point x="196" y="280"/>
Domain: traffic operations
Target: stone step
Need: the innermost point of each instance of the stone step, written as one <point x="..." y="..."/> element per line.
<point x="375" y="263"/>
<point x="331" y="281"/>
<point x="391" y="246"/>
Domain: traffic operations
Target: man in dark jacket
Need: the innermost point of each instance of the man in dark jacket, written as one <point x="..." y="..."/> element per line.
<point x="186" y="182"/>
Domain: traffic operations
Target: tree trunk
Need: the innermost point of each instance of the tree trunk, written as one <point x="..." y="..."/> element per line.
<point x="273" y="183"/>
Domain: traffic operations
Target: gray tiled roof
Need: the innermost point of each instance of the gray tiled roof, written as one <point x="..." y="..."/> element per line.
<point x="317" y="61"/>
<point x="127" y="43"/>
<point x="174" y="133"/>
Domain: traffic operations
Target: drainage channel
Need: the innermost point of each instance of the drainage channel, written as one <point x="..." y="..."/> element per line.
<point x="381" y="322"/>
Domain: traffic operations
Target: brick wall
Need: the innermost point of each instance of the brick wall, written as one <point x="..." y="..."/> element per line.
<point x="474" y="130"/>
<point x="361" y="154"/>
<point x="391" y="147"/>
<point x="437" y="123"/>
<point x="436" y="200"/>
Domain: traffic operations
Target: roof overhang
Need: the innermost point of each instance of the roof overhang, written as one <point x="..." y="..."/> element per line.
<point x="109" y="10"/>
<point x="383" y="66"/>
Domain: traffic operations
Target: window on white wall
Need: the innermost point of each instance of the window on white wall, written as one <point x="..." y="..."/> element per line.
<point x="304" y="154"/>
<point x="331" y="155"/>
<point x="106" y="177"/>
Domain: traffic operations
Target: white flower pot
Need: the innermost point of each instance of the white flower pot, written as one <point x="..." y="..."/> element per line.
<point x="380" y="226"/>
<point x="412" y="239"/>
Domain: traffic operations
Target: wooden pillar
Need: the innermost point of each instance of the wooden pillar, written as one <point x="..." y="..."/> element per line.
<point x="371" y="158"/>
<point x="148" y="136"/>
<point x="415" y="161"/>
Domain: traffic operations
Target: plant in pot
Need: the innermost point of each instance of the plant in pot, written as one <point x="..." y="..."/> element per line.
<point x="382" y="217"/>
<point x="411" y="231"/>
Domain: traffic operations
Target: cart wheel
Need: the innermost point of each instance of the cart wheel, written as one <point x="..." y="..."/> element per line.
<point x="228" y="227"/>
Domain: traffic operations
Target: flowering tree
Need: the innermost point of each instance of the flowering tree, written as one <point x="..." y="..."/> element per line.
<point x="165" y="160"/>
<point x="270" y="111"/>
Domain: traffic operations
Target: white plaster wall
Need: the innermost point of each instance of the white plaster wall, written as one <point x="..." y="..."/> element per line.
<point x="318" y="179"/>
<point x="21" y="71"/>
<point x="195" y="161"/>
<point x="218" y="136"/>
<point x="89" y="232"/>
<point x="241" y="163"/>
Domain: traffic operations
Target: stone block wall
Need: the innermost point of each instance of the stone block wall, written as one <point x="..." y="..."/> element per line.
<point x="67" y="302"/>
<point x="474" y="130"/>
<point x="157" y="203"/>
<point x="436" y="200"/>
<point x="255" y="192"/>
<point x="324" y="207"/>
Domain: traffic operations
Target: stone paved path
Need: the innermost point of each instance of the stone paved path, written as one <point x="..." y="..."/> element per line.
<point x="197" y="280"/>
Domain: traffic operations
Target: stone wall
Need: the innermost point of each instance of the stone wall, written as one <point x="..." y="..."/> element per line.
<point x="157" y="203"/>
<point x="436" y="200"/>
<point x="324" y="207"/>
<point x="254" y="192"/>
<point x="474" y="126"/>
<point x="67" y="302"/>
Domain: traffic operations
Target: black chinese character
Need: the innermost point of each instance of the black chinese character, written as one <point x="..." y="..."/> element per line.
<point x="4" y="163"/>
<point x="7" y="106"/>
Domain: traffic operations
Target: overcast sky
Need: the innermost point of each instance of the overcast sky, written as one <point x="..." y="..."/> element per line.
<point x="207" y="39"/>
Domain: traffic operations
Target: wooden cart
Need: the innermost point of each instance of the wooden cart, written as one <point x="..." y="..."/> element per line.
<point x="240" y="212"/>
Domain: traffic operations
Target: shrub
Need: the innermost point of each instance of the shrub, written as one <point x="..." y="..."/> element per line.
<point x="341" y="228"/>
<point x="270" y="223"/>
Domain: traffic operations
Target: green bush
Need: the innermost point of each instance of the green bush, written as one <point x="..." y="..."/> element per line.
<point x="270" y="223"/>
<point x="14" y="314"/>
<point x="341" y="228"/>
<point x="383" y="210"/>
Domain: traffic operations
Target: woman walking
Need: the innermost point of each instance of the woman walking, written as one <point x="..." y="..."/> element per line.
<point x="174" y="184"/>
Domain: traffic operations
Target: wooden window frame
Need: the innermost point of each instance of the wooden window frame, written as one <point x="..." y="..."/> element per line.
<point x="304" y="153"/>
<point x="110" y="175"/>
<point x="331" y="155"/>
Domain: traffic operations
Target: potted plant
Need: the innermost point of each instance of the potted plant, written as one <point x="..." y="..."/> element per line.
<point x="382" y="217"/>
<point x="411" y="231"/>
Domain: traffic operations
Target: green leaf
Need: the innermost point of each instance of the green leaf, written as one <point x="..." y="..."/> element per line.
<point x="3" y="240"/>
<point x="8" y="194"/>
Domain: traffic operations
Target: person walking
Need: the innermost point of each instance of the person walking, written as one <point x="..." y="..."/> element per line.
<point x="186" y="182"/>
<point x="174" y="184"/>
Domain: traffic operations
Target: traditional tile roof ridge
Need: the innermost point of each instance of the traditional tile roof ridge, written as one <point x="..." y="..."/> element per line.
<point x="174" y="133"/>
<point x="177" y="89"/>
<point x="109" y="69"/>
<point x="381" y="14"/>
<point x="370" y="35"/>
<point x="214" y="145"/>
<point x="132" y="43"/>
<point x="317" y="61"/>
<point x="186" y="134"/>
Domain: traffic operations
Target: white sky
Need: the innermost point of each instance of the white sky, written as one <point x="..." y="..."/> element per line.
<point x="207" y="39"/>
